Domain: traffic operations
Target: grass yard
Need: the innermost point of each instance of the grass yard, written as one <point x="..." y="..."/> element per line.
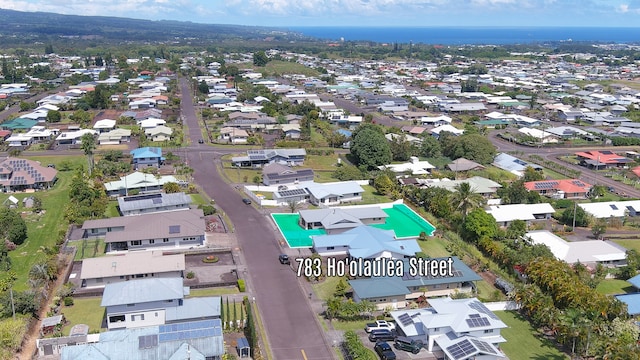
<point x="91" y="248"/>
<point x="371" y="196"/>
<point x="324" y="176"/>
<point x="198" y="199"/>
<point x="321" y="162"/>
<point x="434" y="247"/>
<point x="523" y="342"/>
<point x="350" y="325"/>
<point x="613" y="287"/>
<point x="42" y="230"/>
<point x="216" y="291"/>
<point x="488" y="292"/>
<point x="112" y="209"/>
<point x="84" y="311"/>
<point x="628" y="244"/>
<point x="326" y="288"/>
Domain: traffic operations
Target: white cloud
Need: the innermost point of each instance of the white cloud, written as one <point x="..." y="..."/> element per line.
<point x="623" y="8"/>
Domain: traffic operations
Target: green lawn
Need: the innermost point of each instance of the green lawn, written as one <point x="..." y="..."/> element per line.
<point x="217" y="291"/>
<point x="198" y="199"/>
<point x="84" y="311"/>
<point x="628" y="244"/>
<point x="434" y="247"/>
<point x="349" y="325"/>
<point x="321" y="162"/>
<point x="613" y="287"/>
<point x="112" y="209"/>
<point x="523" y="342"/>
<point x="371" y="196"/>
<point x="90" y="248"/>
<point x="42" y="230"/>
<point x="325" y="289"/>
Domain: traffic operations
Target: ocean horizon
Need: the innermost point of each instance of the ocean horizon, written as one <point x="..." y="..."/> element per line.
<point x="472" y="35"/>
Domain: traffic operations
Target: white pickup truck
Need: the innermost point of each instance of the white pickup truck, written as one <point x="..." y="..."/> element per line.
<point x="380" y="325"/>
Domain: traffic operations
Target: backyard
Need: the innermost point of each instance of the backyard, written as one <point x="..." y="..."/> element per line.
<point x="523" y="341"/>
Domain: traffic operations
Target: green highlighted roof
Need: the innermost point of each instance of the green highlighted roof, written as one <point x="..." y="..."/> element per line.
<point x="18" y="123"/>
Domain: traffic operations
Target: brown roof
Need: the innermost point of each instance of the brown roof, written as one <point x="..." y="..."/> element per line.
<point x="25" y="172"/>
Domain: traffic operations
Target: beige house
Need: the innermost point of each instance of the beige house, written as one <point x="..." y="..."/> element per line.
<point x="159" y="133"/>
<point x="100" y="271"/>
<point x="233" y="135"/>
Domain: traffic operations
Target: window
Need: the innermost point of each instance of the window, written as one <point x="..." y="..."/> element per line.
<point x="488" y="331"/>
<point x="99" y="280"/>
<point x="151" y="241"/>
<point x="330" y="247"/>
<point x="165" y="240"/>
<point x="131" y="305"/>
<point x="136" y="243"/>
<point x="116" y="318"/>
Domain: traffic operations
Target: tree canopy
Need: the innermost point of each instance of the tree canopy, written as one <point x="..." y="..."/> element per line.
<point x="370" y="148"/>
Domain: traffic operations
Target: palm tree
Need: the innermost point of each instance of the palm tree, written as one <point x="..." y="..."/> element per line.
<point x="88" y="146"/>
<point x="465" y="199"/>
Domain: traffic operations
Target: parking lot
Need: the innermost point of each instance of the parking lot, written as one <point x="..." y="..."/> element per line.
<point x="400" y="354"/>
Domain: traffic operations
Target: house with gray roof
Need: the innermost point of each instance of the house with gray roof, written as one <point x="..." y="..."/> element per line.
<point x="277" y="174"/>
<point x="338" y="220"/>
<point x="195" y="340"/>
<point x="259" y="158"/>
<point x="101" y="271"/>
<point x="397" y="291"/>
<point x="462" y="164"/>
<point x="142" y="182"/>
<point x="154" y="301"/>
<point x="454" y="329"/>
<point x="478" y="184"/>
<point x="327" y="194"/>
<point x="153" y="203"/>
<point x="365" y="242"/>
<point x="512" y="164"/>
<point x="175" y="229"/>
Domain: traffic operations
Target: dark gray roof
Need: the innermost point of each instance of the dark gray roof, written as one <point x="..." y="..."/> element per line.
<point x="142" y="291"/>
<point x="151" y="201"/>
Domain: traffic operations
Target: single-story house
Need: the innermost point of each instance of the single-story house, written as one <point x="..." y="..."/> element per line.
<point x="277" y="174"/>
<point x="462" y="164"/>
<point x="563" y="188"/>
<point x="334" y="193"/>
<point x="365" y="242"/>
<point x="338" y="220"/>
<point x="115" y="137"/>
<point x="175" y="229"/>
<point x="147" y="156"/>
<point x="159" y="133"/>
<point x="104" y="125"/>
<point x="435" y="120"/>
<point x="73" y="137"/>
<point x="451" y="325"/>
<point x="139" y="181"/>
<point x="21" y="174"/>
<point x="101" y="271"/>
<point x="512" y="164"/>
<point x="414" y="166"/>
<point x="612" y="209"/>
<point x="478" y="184"/>
<point x="152" y="203"/>
<point x="602" y="159"/>
<point x="446" y="128"/>
<point x="233" y="135"/>
<point x="587" y="252"/>
<point x="396" y="291"/>
<point x="261" y="157"/>
<point x="632" y="300"/>
<point x="505" y="214"/>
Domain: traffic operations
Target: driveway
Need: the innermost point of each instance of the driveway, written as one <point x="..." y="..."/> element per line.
<point x="292" y="329"/>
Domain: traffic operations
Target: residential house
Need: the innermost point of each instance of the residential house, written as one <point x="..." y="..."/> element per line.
<point x="22" y="174"/>
<point x="363" y="241"/>
<point x="233" y="135"/>
<point x="435" y="121"/>
<point x="291" y="131"/>
<point x="391" y="137"/>
<point x="175" y="229"/>
<point x="249" y="120"/>
<point x="505" y="214"/>
<point x="4" y="134"/>
<point x="396" y="292"/>
<point x="36" y="134"/>
<point x="586" y="252"/>
<point x="150" y="123"/>
<point x="512" y="164"/>
<point x="612" y="209"/>
<point x="153" y="203"/>
<point x="567" y="132"/>
<point x="104" y="125"/>
<point x="154" y="301"/>
<point x="413" y="130"/>
<point x="569" y="115"/>
<point x="259" y="158"/>
<point x="18" y="124"/>
<point x="539" y="136"/>
<point x="632" y="300"/>
<point x="139" y="181"/>
<point x="601" y="159"/>
<point x="339" y="220"/>
<point x="462" y="107"/>
<point x="191" y="340"/>
<point x="446" y="128"/>
<point x="147" y="156"/>
<point x="327" y="194"/>
<point x="101" y="271"/>
<point x="159" y="133"/>
<point x="462" y="164"/>
<point x="115" y="137"/>
<point x="277" y="174"/>
<point x="454" y="329"/>
<point x="560" y="189"/>
<point x="73" y="137"/>
<point x="414" y="166"/>
<point x="478" y="184"/>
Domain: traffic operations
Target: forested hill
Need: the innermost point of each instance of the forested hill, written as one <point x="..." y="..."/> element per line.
<point x="18" y="26"/>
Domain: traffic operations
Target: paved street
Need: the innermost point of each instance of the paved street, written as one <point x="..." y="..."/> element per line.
<point x="293" y="332"/>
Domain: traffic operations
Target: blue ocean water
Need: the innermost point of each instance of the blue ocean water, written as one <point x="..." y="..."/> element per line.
<point x="473" y="35"/>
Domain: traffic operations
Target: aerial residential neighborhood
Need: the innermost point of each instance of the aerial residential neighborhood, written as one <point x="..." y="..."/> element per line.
<point x="186" y="200"/>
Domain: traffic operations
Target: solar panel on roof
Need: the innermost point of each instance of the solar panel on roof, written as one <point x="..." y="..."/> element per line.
<point x="174" y="229"/>
<point x="461" y="350"/>
<point x="480" y="307"/>
<point x="482" y="346"/>
<point x="405" y="319"/>
<point x="474" y="316"/>
<point x="613" y="206"/>
<point x="477" y="322"/>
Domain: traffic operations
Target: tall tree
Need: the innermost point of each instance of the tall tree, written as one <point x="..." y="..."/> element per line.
<point x="370" y="148"/>
<point x="88" y="146"/>
<point x="260" y="58"/>
<point x="465" y="199"/>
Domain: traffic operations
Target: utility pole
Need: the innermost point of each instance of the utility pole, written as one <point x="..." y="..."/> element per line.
<point x="575" y="207"/>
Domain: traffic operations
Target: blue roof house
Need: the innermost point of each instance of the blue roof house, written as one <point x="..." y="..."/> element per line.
<point x="154" y="301"/>
<point x="147" y="156"/>
<point x="397" y="291"/>
<point x="632" y="300"/>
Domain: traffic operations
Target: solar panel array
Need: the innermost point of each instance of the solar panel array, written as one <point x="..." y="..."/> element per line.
<point x="482" y="346"/>
<point x="142" y="197"/>
<point x="405" y="319"/>
<point x="462" y="349"/>
<point x="478" y="322"/>
<point x="147" y="341"/>
<point x="294" y="192"/>
<point x="545" y="185"/>
<point x="174" y="229"/>
<point x="613" y="206"/>
<point x="24" y="165"/>
<point x="189" y="330"/>
<point x="480" y="307"/>
<point x="578" y="183"/>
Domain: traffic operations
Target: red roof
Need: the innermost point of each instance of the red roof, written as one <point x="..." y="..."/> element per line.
<point x="636" y="170"/>
<point x="569" y="186"/>
<point x="604" y="157"/>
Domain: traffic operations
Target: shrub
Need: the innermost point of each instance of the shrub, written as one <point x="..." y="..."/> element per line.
<point x="210" y="259"/>
<point x="68" y="301"/>
<point x="190" y="275"/>
<point x="241" y="285"/>
<point x="207" y="209"/>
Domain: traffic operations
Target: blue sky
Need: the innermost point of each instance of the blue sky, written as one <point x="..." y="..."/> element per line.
<point x="283" y="13"/>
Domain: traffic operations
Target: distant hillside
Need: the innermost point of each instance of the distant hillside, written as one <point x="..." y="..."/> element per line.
<point x="18" y="26"/>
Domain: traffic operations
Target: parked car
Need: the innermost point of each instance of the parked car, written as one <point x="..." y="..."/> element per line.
<point x="246" y="201"/>
<point x="200" y="141"/>
<point x="384" y="351"/>
<point x="284" y="259"/>
<point x="382" y="335"/>
<point x="407" y="344"/>
<point x="379" y="325"/>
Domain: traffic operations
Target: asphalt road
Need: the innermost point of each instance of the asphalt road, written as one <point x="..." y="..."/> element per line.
<point x="292" y="329"/>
